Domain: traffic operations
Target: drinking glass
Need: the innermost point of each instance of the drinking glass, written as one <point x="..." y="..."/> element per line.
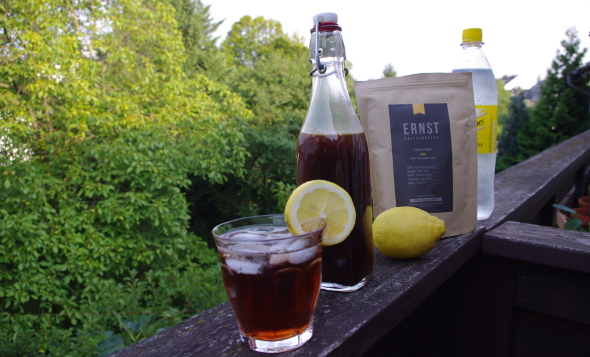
<point x="272" y="279"/>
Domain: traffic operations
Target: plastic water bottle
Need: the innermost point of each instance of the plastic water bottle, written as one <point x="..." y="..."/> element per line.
<point x="485" y="92"/>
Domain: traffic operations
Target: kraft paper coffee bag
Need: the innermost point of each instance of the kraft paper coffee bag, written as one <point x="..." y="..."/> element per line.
<point x="422" y="137"/>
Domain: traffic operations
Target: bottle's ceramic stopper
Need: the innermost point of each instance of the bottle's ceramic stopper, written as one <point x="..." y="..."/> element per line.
<point x="325" y="17"/>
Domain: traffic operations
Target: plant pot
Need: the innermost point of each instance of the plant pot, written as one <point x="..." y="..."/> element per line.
<point x="584" y="202"/>
<point x="583" y="215"/>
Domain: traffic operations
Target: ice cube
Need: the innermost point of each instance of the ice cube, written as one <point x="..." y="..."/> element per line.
<point x="298" y="244"/>
<point x="296" y="257"/>
<point x="244" y="236"/>
<point x="281" y="246"/>
<point x="301" y="256"/>
<point x="276" y="259"/>
<point x="280" y="234"/>
<point x="262" y="230"/>
<point x="249" y="248"/>
<point x="244" y="267"/>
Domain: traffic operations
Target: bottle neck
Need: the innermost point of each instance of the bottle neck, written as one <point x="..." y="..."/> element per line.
<point x="330" y="109"/>
<point x="472" y="45"/>
<point x="330" y="52"/>
<point x="326" y="47"/>
<point x="472" y="56"/>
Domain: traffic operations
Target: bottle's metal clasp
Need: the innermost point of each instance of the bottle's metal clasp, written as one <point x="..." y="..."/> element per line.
<point x="321" y="68"/>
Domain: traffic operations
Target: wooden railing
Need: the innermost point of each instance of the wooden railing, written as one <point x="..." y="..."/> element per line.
<point x="492" y="292"/>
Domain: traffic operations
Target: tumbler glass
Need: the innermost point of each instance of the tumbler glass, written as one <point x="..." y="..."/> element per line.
<point x="272" y="279"/>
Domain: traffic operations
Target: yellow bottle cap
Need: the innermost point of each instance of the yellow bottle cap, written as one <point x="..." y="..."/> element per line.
<point x="470" y="35"/>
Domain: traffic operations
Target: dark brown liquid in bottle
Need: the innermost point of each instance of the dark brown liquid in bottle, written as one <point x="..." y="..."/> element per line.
<point x="344" y="160"/>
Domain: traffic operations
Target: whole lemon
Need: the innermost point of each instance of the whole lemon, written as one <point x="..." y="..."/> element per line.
<point x="406" y="232"/>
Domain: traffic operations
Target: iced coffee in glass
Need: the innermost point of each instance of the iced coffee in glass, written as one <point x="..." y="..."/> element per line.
<point x="272" y="279"/>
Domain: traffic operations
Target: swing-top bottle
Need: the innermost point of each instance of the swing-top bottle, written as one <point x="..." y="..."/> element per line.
<point x="332" y="147"/>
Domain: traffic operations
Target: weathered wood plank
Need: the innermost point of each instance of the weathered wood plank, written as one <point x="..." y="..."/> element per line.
<point x="346" y="324"/>
<point x="539" y="335"/>
<point x="469" y="315"/>
<point x="538" y="244"/>
<point x="558" y="292"/>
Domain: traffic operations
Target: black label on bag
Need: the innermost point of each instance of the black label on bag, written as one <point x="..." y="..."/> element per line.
<point x="422" y="156"/>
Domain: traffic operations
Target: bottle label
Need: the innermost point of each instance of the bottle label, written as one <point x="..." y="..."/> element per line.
<point x="487" y="128"/>
<point x="422" y="156"/>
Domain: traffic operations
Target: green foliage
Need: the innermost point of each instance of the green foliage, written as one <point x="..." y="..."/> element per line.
<point x="562" y="111"/>
<point x="389" y="71"/>
<point x="195" y="24"/>
<point x="574" y="223"/>
<point x="276" y="87"/>
<point x="264" y="85"/>
<point x="516" y="118"/>
<point x="560" y="114"/>
<point x="111" y="344"/>
<point x="113" y="319"/>
<point x="272" y="77"/>
<point x="250" y="39"/>
<point x="101" y="130"/>
<point x="197" y="27"/>
<point x="503" y="104"/>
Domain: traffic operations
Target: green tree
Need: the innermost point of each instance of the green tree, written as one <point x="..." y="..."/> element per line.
<point x="516" y="118"/>
<point x="197" y="28"/>
<point x="503" y="103"/>
<point x="272" y="76"/>
<point x="279" y="99"/>
<point x="195" y="24"/>
<point x="250" y="39"/>
<point x="389" y="71"/>
<point x="103" y="129"/>
<point x="562" y="111"/>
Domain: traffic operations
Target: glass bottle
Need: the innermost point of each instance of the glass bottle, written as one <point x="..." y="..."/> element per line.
<point x="332" y="147"/>
<point x="485" y="92"/>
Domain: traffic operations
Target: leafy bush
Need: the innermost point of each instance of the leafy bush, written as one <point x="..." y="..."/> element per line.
<point x="105" y="232"/>
<point x="99" y="133"/>
<point x="271" y="74"/>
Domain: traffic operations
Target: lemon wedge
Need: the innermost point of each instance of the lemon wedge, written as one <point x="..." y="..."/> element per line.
<point x="315" y="200"/>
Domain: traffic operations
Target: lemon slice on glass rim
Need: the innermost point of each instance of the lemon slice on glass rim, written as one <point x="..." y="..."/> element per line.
<point x="316" y="200"/>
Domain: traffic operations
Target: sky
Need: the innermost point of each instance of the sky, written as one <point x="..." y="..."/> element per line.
<point x="521" y="37"/>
